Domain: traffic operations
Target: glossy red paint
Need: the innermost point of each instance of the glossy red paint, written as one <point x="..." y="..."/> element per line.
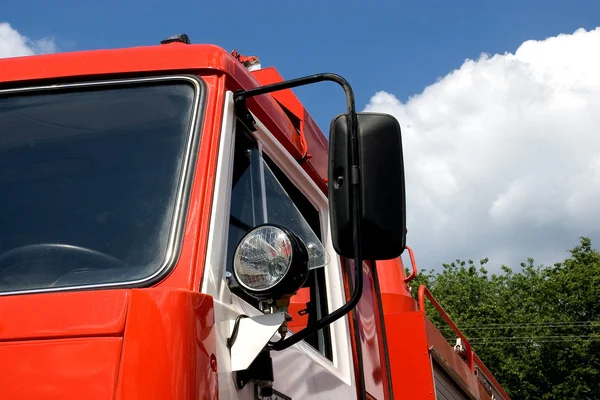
<point x="413" y="264"/>
<point x="61" y="345"/>
<point x="310" y="139"/>
<point x="370" y="340"/>
<point x="297" y="304"/>
<point x="381" y="337"/>
<point x="92" y="344"/>
<point x="59" y="369"/>
<point x="410" y="361"/>
<point x="63" y="315"/>
<point x="290" y="104"/>
<point x="352" y="322"/>
<point x="204" y="181"/>
<point x="371" y="336"/>
<point x="171" y="334"/>
<point x="395" y="296"/>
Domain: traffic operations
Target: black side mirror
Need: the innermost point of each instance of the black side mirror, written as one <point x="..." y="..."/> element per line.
<point x="381" y="169"/>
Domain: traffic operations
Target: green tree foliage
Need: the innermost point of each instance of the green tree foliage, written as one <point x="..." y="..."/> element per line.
<point x="537" y="330"/>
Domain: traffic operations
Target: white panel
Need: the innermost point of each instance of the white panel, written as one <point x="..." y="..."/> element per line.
<point x="301" y="372"/>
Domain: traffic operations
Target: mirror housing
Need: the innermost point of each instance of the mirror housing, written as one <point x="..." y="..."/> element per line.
<point x="382" y="189"/>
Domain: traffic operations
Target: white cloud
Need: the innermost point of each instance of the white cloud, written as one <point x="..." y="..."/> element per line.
<point x="503" y="155"/>
<point x="13" y="44"/>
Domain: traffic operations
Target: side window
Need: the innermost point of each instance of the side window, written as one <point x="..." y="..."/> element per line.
<point x="246" y="209"/>
<point x="262" y="193"/>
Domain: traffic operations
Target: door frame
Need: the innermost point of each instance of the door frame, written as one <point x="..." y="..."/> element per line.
<point x="335" y="376"/>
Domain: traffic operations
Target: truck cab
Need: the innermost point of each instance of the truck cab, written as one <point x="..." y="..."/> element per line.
<point x="136" y="193"/>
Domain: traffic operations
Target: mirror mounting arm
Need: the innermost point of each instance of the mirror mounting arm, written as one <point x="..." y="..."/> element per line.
<point x="240" y="97"/>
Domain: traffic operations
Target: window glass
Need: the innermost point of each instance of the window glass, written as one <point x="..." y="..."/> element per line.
<point x="88" y="182"/>
<point x="246" y="194"/>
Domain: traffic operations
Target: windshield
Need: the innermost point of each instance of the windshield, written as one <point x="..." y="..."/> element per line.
<point x="90" y="179"/>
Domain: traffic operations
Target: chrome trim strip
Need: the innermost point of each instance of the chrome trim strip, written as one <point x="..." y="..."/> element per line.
<point x="185" y="178"/>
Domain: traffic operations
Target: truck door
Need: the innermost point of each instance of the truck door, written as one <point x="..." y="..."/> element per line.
<point x="258" y="182"/>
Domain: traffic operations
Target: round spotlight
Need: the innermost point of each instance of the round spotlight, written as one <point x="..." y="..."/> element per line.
<point x="270" y="262"/>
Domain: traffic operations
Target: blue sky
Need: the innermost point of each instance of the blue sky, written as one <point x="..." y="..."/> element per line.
<point x="397" y="46"/>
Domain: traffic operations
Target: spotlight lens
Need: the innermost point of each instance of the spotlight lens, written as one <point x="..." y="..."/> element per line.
<point x="262" y="258"/>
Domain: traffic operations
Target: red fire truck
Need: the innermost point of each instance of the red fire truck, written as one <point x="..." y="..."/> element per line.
<point x="174" y="225"/>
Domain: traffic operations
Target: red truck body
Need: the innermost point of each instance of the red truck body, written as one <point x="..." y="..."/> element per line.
<point x="164" y="339"/>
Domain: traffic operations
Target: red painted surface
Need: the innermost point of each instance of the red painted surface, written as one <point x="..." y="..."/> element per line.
<point x="288" y="101"/>
<point x="62" y="369"/>
<point x="413" y="265"/>
<point x="198" y="220"/>
<point x="142" y="343"/>
<point x="169" y="340"/>
<point x="410" y="362"/>
<point x="297" y="304"/>
<point x="371" y="336"/>
<point x="310" y="140"/>
<point x="63" y="315"/>
<point x="395" y="296"/>
<point x="381" y="337"/>
<point x="352" y="322"/>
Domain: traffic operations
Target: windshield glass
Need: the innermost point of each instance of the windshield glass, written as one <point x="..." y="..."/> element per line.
<point x="89" y="182"/>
